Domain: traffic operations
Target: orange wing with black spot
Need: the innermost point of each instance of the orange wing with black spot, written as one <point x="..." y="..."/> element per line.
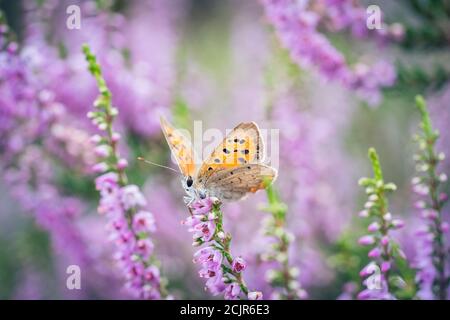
<point x="243" y="145"/>
<point x="181" y="148"/>
<point x="234" y="168"/>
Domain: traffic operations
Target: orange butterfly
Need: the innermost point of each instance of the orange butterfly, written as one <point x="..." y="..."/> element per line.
<point x="233" y="169"/>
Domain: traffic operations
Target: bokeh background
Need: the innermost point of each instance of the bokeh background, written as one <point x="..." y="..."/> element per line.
<point x="222" y="62"/>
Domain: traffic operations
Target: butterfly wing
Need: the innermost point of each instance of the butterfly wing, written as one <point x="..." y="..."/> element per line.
<point x="243" y="145"/>
<point x="233" y="169"/>
<point x="180" y="146"/>
<point x="235" y="183"/>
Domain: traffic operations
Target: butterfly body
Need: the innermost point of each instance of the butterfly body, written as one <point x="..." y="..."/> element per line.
<point x="233" y="170"/>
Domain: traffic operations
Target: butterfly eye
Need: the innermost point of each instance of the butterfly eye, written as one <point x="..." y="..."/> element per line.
<point x="189" y="182"/>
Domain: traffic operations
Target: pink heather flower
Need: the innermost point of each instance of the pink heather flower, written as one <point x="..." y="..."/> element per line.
<point x="125" y="239"/>
<point x="429" y="214"/>
<point x="232" y="291"/>
<point x="374" y="253"/>
<point x="95" y="139"/>
<point x="373" y="227"/>
<point x="376" y="294"/>
<point x="207" y="273"/>
<point x="131" y="197"/>
<point x="238" y="264"/>
<point x="109" y="203"/>
<point x="420" y="204"/>
<point x="302" y="294"/>
<point x="398" y="223"/>
<point x="143" y="221"/>
<point x="119" y="223"/>
<point x="115" y="137"/>
<point x="144" y="247"/>
<point x="108" y="181"/>
<point x="209" y="257"/>
<point x="384" y="241"/>
<point x="202" y="206"/>
<point x="122" y="164"/>
<point x="368" y="269"/>
<point x="255" y="295"/>
<point x="150" y="293"/>
<point x="215" y="285"/>
<point x="444" y="227"/>
<point x="100" y="167"/>
<point x="364" y="213"/>
<point x="385" y="266"/>
<point x="102" y="150"/>
<point x="366" y="240"/>
<point x="151" y="274"/>
<point x="135" y="269"/>
<point x="205" y="230"/>
<point x="192" y="221"/>
<point x="296" y="27"/>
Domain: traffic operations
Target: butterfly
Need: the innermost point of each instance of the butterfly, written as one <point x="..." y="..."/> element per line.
<point x="232" y="171"/>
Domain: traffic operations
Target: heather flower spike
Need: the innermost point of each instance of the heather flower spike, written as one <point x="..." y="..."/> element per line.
<point x="283" y="278"/>
<point x="130" y="225"/>
<point x="296" y="26"/>
<point x="379" y="275"/>
<point x="224" y="273"/>
<point x="432" y="262"/>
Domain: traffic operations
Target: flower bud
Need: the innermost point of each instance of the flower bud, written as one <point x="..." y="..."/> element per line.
<point x="366" y="240"/>
<point x="238" y="264"/>
<point x="374" y="253"/>
<point x="373" y="227"/>
<point x="115" y="136"/>
<point x="398" y="223"/>
<point x="95" y="139"/>
<point x="364" y="214"/>
<point x="100" y="167"/>
<point x="385" y="266"/>
<point x="122" y="164"/>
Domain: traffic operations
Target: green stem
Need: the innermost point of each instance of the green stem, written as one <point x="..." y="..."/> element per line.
<point x="225" y="248"/>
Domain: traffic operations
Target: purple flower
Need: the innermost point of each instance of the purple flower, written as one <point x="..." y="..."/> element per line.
<point x="215" y="285"/>
<point x="398" y="223"/>
<point x="202" y="206"/>
<point x="366" y="240"/>
<point x="385" y="266"/>
<point x="215" y="259"/>
<point x="296" y="27"/>
<point x="144" y="247"/>
<point x="152" y="274"/>
<point x="102" y="151"/>
<point x="143" y="221"/>
<point x="373" y="227"/>
<point x="130" y="227"/>
<point x="374" y="253"/>
<point x="100" y="167"/>
<point x="232" y="291"/>
<point x="107" y="181"/>
<point x="239" y="264"/>
<point x="204" y="230"/>
<point x="255" y="295"/>
<point x="384" y="250"/>
<point x="131" y="197"/>
<point x="209" y="257"/>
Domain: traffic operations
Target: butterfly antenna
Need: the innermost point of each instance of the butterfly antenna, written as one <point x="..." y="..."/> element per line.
<point x="158" y="165"/>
